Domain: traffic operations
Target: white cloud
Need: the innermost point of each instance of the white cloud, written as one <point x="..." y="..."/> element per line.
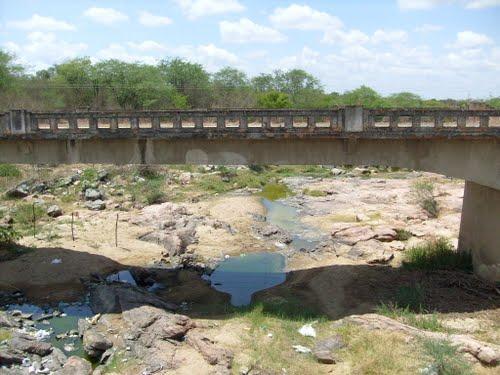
<point x="305" y="59"/>
<point x="148" y="46"/>
<point x="198" y="8"/>
<point x="480" y="4"/>
<point x="345" y="37"/>
<point x="246" y="31"/>
<point x="44" y="49"/>
<point x="151" y="20"/>
<point x="429" y="4"/>
<point x="119" y="52"/>
<point x="303" y="17"/>
<point x="421" y="4"/>
<point x="389" y="36"/>
<point x="470" y="39"/>
<point x="37" y="22"/>
<point x="105" y="16"/>
<point x="428" y="28"/>
<point x="209" y="55"/>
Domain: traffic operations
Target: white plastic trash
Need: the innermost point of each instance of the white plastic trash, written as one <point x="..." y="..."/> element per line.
<point x="307" y="330"/>
<point x="301" y="349"/>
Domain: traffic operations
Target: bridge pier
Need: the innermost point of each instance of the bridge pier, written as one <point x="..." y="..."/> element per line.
<point x="479" y="230"/>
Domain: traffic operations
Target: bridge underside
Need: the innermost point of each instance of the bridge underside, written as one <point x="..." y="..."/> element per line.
<point x="467" y="159"/>
<point x="474" y="160"/>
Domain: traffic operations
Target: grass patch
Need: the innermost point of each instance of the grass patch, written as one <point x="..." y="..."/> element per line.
<point x="8" y="236"/>
<point x="424" y="194"/>
<point x="117" y="364"/>
<point x="445" y="359"/>
<point x="314" y="193"/>
<point x="437" y="254"/>
<point x="274" y="191"/>
<point x="428" y="322"/>
<point x="9" y="170"/>
<point x="5" y="335"/>
<point x="25" y="214"/>
<point x="403" y="235"/>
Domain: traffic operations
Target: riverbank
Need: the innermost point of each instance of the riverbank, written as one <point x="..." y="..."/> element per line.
<point x="344" y="233"/>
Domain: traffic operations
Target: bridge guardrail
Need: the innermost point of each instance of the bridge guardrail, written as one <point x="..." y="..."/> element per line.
<point x="347" y="120"/>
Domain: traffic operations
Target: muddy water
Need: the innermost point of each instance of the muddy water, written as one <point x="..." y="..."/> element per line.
<point x="242" y="276"/>
<point x="50" y="329"/>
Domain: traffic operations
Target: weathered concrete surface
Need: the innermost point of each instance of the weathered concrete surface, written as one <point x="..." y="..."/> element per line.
<point x="470" y="159"/>
<point x="479" y="229"/>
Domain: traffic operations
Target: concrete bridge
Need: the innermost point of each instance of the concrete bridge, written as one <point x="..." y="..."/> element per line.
<point x="457" y="143"/>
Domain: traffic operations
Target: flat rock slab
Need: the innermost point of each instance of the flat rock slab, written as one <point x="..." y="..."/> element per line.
<point x="324" y="350"/>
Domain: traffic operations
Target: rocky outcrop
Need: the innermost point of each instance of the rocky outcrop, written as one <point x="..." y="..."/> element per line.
<point x="353" y="235"/>
<point x="7" y="321"/>
<point x="486" y="353"/>
<point x="371" y="251"/>
<point x="213" y="354"/>
<point x="28" y="344"/>
<point x="95" y="343"/>
<point x="117" y="297"/>
<point x="75" y="366"/>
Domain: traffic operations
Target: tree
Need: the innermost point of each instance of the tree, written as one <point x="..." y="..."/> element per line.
<point x="273" y="100"/>
<point x="363" y="96"/>
<point x="189" y="79"/>
<point x="404" y="99"/>
<point x="231" y="88"/>
<point x="9" y="71"/>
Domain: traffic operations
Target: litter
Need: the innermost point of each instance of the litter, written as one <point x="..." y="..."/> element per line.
<point x="56" y="261"/>
<point x="301" y="349"/>
<point x="307" y="330"/>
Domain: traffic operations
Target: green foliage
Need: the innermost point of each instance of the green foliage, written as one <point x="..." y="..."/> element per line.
<point x="424" y="193"/>
<point x="410" y="297"/>
<point x="150" y="190"/>
<point x="437" y="254"/>
<point x="8" y="236"/>
<point x="314" y="193"/>
<point x="24" y="214"/>
<point x="446" y="358"/>
<point x="274" y="191"/>
<point x="274" y="100"/>
<point x="363" y="96"/>
<point x="5" y="335"/>
<point x="9" y="170"/>
<point x="403" y="235"/>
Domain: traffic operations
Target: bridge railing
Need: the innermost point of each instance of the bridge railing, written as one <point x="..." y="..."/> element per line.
<point x="338" y="120"/>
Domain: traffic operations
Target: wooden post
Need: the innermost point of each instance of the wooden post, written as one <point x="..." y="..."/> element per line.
<point x="34" y="221"/>
<point x="72" y="223"/>
<point x="116" y="231"/>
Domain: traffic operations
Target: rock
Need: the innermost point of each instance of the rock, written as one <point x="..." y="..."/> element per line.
<point x="20" y="191"/>
<point x="353" y="235"/>
<point x="54" y="211"/>
<point x="116" y="298"/>
<point x="28" y="344"/>
<point x="185" y="178"/>
<point x="93" y="195"/>
<point x="97" y="205"/>
<point x="324" y="350"/>
<point x="362" y="217"/>
<point x="213" y="354"/>
<point x="102" y="175"/>
<point x="55" y="360"/>
<point x="7" y="321"/>
<point x="75" y="366"/>
<point x="372" y="251"/>
<point x="95" y="343"/>
<point x="337" y="171"/>
<point x="273" y="231"/>
<point x="39" y="188"/>
<point x="385" y="234"/>
<point x="151" y="324"/>
<point x="10" y="357"/>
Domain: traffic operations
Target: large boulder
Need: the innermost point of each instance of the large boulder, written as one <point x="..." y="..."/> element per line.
<point x="371" y="251"/>
<point x="93" y="195"/>
<point x="385" y="233"/>
<point x="54" y="211"/>
<point x="7" y="321"/>
<point x="116" y="298"/>
<point x="10" y="357"/>
<point x="75" y="366"/>
<point x="97" y="205"/>
<point x="325" y="350"/>
<point x="95" y="343"/>
<point x="28" y="344"/>
<point x="353" y="235"/>
<point x="20" y="191"/>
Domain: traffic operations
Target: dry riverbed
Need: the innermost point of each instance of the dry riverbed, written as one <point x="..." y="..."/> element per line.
<point x="344" y="233"/>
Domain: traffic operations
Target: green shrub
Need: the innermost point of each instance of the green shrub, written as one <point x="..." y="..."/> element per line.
<point x="437" y="254"/>
<point x="314" y="193"/>
<point x="424" y="194"/>
<point x="23" y="216"/>
<point x="9" y="170"/>
<point x="446" y="358"/>
<point x="148" y="172"/>
<point x="410" y="297"/>
<point x="275" y="191"/>
<point x="403" y="235"/>
<point x="8" y="236"/>
<point x="89" y="175"/>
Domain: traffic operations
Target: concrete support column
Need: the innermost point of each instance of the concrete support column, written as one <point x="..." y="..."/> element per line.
<point x="480" y="229"/>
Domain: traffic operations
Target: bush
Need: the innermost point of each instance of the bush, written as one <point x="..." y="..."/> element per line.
<point x="9" y="170"/>
<point x="402" y="235"/>
<point x="8" y="236"/>
<point x="410" y="297"/>
<point x="314" y="193"/>
<point x="424" y="194"/>
<point x="437" y="254"/>
<point x="446" y="359"/>
<point x="275" y="191"/>
<point x="23" y="216"/>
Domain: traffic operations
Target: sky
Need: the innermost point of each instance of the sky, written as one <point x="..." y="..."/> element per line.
<point x="435" y="48"/>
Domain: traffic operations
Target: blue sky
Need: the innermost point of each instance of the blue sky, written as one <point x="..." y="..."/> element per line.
<point x="436" y="48"/>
